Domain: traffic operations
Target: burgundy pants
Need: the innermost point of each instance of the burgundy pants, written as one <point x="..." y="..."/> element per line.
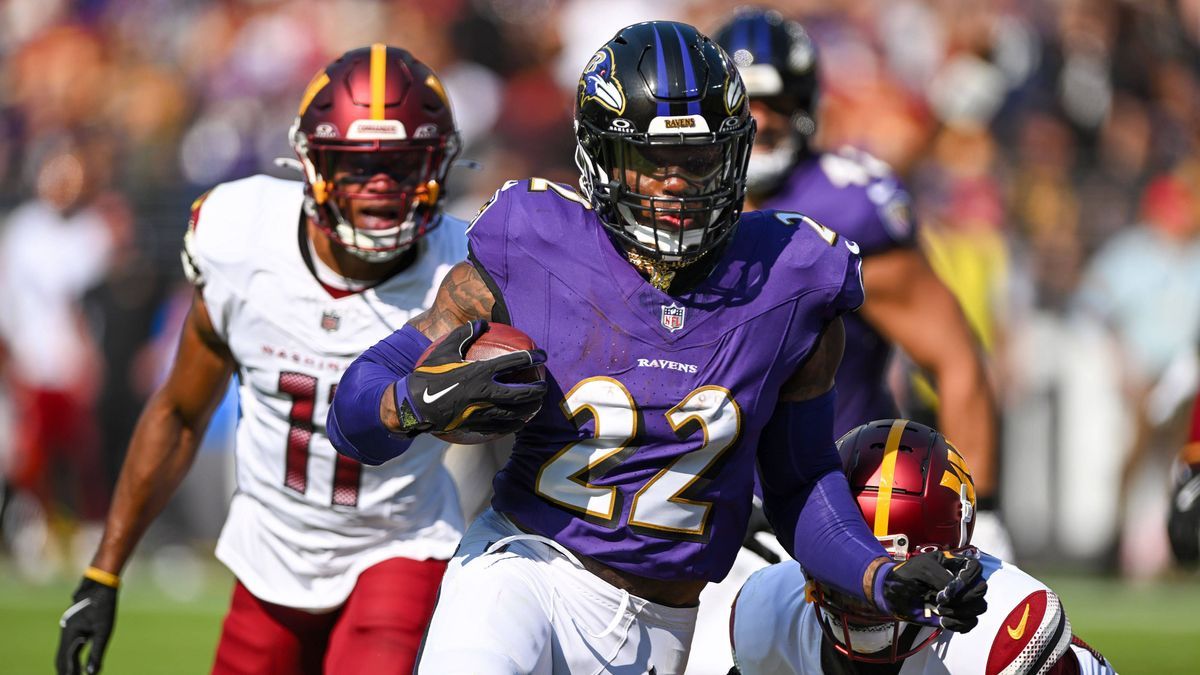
<point x="378" y="630"/>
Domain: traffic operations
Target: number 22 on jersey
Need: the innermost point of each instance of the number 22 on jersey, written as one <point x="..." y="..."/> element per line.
<point x="661" y="504"/>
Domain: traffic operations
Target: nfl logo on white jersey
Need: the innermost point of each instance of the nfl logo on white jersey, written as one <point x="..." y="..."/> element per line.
<point x="672" y="317"/>
<point x="330" y="321"/>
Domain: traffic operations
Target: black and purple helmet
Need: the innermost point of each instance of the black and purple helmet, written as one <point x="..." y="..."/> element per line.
<point x="662" y="101"/>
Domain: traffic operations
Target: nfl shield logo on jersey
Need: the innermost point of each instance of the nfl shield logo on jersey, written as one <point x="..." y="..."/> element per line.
<point x="330" y="320"/>
<point x="672" y="317"/>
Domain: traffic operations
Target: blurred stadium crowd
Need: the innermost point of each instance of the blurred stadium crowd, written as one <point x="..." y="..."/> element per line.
<point x="1052" y="148"/>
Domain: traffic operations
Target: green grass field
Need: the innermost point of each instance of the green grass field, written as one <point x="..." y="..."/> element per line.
<point x="155" y="634"/>
<point x="1152" y="628"/>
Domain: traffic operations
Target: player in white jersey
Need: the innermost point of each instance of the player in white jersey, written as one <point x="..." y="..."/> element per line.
<point x="337" y="563"/>
<point x="916" y="491"/>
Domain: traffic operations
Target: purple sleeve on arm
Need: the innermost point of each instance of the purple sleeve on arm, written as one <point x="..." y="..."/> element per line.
<point x="832" y="540"/>
<point x="807" y="499"/>
<point x="353" y="423"/>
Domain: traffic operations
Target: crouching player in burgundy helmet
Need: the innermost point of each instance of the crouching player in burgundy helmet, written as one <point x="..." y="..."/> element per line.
<point x="915" y="491"/>
<point x="337" y="563"/>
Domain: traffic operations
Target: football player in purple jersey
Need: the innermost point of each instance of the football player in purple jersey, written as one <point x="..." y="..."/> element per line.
<point x="687" y="347"/>
<point x="857" y="196"/>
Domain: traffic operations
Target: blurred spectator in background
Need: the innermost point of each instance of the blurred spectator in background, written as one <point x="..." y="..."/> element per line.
<point x="120" y="310"/>
<point x="1144" y="284"/>
<point x="54" y="248"/>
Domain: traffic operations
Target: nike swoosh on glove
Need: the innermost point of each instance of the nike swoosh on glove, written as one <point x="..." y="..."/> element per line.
<point x="91" y="617"/>
<point x="448" y="393"/>
<point x="938" y="588"/>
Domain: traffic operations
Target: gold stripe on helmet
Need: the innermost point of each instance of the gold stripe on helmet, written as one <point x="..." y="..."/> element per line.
<point x="887" y="475"/>
<point x="318" y="83"/>
<point x="435" y="84"/>
<point x="958" y="475"/>
<point x="378" y="79"/>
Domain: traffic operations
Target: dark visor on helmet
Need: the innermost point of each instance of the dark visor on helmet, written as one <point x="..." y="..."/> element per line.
<point x="701" y="165"/>
<point x="354" y="166"/>
<point x="666" y="217"/>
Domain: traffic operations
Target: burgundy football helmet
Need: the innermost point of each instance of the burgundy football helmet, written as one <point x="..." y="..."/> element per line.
<point x="375" y="117"/>
<point x="917" y="495"/>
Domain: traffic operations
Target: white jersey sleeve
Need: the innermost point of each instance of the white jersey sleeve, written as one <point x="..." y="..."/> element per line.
<point x="1024" y="631"/>
<point x="774" y="629"/>
<point x="305" y="521"/>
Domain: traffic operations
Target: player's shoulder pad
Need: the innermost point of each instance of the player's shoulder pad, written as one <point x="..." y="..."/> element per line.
<point x="810" y="255"/>
<point x="226" y="222"/>
<point x="878" y="206"/>
<point x="521" y="200"/>
<point x="1033" y="631"/>
<point x="769" y="593"/>
<point x="530" y="220"/>
<point x="187" y="255"/>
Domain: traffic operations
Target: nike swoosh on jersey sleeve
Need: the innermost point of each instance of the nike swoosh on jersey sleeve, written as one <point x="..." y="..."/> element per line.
<point x="1035" y="633"/>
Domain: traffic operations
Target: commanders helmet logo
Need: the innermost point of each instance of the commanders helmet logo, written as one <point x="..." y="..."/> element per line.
<point x="597" y="83"/>
<point x="957" y="475"/>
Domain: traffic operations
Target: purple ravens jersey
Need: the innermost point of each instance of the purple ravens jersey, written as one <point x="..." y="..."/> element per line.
<point x="643" y="455"/>
<point x="856" y="196"/>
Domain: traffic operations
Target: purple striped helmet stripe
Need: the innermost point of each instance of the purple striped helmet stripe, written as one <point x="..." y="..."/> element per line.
<point x="689" y="75"/>
<point x="661" y="85"/>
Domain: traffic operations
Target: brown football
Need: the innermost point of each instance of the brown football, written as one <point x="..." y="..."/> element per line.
<point x="498" y="340"/>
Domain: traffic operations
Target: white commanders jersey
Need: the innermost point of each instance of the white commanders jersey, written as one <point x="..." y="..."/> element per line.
<point x="1025" y="630"/>
<point x="305" y="521"/>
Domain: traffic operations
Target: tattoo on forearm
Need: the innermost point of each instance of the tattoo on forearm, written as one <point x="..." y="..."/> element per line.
<point x="462" y="297"/>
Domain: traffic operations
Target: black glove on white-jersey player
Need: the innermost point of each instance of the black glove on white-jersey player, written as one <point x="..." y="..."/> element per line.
<point x="90" y="618"/>
<point x="448" y="393"/>
<point x="937" y="588"/>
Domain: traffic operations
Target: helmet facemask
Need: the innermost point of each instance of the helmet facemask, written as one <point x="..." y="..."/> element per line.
<point x="767" y="168"/>
<point x="859" y="631"/>
<point x="670" y="198"/>
<point x="778" y="145"/>
<point x="376" y="225"/>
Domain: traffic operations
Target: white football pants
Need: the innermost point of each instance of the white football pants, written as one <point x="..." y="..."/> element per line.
<point x="513" y="602"/>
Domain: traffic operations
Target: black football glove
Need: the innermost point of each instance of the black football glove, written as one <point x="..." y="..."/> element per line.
<point x="938" y="588"/>
<point x="448" y="393"/>
<point x="1183" y="524"/>
<point x="89" y="618"/>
